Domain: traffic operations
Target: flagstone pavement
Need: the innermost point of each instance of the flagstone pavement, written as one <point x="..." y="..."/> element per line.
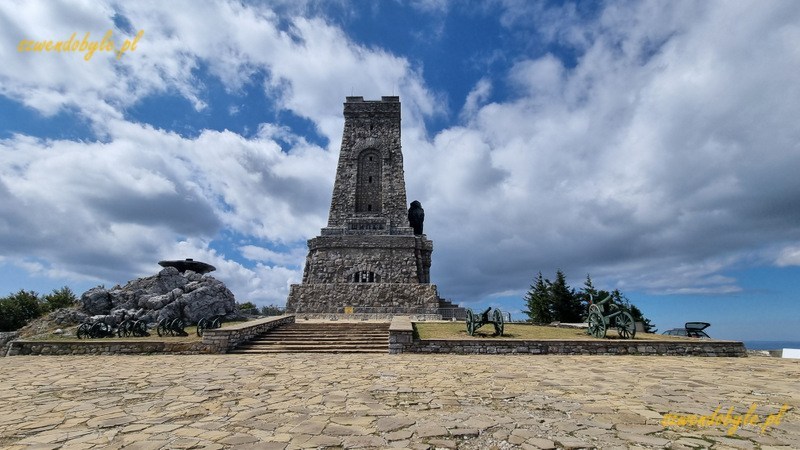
<point x="291" y="401"/>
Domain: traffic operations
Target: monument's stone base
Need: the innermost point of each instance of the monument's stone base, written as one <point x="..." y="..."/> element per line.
<point x="393" y="259"/>
<point x="391" y="298"/>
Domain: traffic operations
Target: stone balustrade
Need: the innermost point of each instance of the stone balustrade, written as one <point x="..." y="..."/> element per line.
<point x="222" y="340"/>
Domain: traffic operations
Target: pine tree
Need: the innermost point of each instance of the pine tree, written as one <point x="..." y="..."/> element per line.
<point x="649" y="327"/>
<point x="538" y="301"/>
<point x="589" y="294"/>
<point x="566" y="303"/>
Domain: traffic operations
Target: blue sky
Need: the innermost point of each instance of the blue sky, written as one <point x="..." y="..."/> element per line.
<point x="653" y="145"/>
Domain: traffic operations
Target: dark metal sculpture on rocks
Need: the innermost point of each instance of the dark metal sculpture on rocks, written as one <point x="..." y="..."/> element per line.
<point x="475" y="321"/>
<point x="416" y="216"/>
<point x="619" y="318"/>
<point x="188" y="264"/>
<point x="208" y="323"/>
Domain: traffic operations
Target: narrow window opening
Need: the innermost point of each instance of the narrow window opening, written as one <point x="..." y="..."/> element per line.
<point x="368" y="182"/>
<point x="366" y="276"/>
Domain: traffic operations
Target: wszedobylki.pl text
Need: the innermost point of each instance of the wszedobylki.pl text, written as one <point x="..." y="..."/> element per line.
<point x="731" y="421"/>
<point x="83" y="45"/>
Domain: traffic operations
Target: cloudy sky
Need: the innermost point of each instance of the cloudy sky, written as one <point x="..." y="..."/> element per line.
<point x="653" y="145"/>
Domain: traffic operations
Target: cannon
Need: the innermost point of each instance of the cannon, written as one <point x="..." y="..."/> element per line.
<point x="599" y="321"/>
<point x="95" y="330"/>
<point x="171" y="327"/>
<point x="208" y="323"/>
<point x="132" y="327"/>
<point x="475" y="321"/>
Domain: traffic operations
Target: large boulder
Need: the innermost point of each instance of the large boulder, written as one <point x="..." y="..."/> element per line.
<point x="167" y="294"/>
<point x="96" y="301"/>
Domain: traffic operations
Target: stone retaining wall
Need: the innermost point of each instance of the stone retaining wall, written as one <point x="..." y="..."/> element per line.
<point x="401" y="340"/>
<point x="219" y="340"/>
<point x="105" y="347"/>
<point x="5" y="339"/>
<point x="222" y="340"/>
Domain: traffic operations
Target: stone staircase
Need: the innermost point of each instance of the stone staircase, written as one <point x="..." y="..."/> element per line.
<point x="321" y="337"/>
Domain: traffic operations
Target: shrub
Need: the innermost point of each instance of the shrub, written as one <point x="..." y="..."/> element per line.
<point x="60" y="298"/>
<point x="16" y="310"/>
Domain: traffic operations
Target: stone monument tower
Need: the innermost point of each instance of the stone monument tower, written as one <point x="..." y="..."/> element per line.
<point x="368" y="256"/>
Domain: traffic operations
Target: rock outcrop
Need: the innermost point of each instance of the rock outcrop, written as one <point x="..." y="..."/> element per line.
<point x="169" y="293"/>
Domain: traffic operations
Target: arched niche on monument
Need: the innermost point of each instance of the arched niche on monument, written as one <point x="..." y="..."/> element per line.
<point x="368" y="181"/>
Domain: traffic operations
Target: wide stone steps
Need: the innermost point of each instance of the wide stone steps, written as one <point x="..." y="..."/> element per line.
<point x="348" y="337"/>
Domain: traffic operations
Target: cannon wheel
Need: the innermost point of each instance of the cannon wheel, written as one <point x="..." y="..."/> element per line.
<point x="470" y="322"/>
<point x="83" y="331"/>
<point x="499" y="324"/>
<point x="97" y="330"/>
<point x="626" y="327"/>
<point x="140" y="328"/>
<point x="125" y="329"/>
<point x="161" y="328"/>
<point x="177" y="326"/>
<point x="216" y="322"/>
<point x="597" y="326"/>
<point x="595" y="308"/>
<point x="201" y="326"/>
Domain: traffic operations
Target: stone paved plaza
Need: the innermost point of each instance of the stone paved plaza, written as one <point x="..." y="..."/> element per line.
<point x="384" y="401"/>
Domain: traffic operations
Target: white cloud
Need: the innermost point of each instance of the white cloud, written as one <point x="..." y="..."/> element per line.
<point x="662" y="159"/>
<point x="789" y="256"/>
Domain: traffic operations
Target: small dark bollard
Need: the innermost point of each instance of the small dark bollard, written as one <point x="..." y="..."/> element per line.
<point x="475" y="321"/>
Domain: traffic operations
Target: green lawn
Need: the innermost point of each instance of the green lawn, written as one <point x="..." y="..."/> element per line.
<point x="458" y="330"/>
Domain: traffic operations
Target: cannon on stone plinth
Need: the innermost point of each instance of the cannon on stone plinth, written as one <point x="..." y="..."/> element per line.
<point x="604" y="315"/>
<point x="475" y="321"/>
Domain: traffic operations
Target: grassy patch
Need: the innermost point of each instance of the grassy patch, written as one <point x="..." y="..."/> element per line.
<point x="458" y="330"/>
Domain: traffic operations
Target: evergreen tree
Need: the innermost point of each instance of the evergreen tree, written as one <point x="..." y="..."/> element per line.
<point x="589" y="294"/>
<point x="18" y="309"/>
<point x="566" y="303"/>
<point x="649" y="327"/>
<point x="60" y="298"/>
<point x="538" y="301"/>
